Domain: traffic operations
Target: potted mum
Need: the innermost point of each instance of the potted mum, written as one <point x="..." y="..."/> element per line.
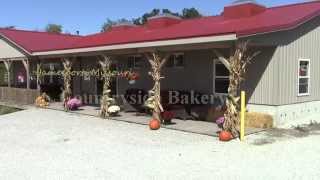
<point x="114" y="110"/>
<point x="220" y="121"/>
<point x="74" y="104"/>
<point x="167" y="117"/>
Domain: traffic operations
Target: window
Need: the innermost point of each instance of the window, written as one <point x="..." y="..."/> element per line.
<point x="221" y="81"/>
<point x="304" y="77"/>
<point x="135" y="62"/>
<point x="176" y="61"/>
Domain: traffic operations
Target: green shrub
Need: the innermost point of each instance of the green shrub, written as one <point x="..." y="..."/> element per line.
<point x="7" y="110"/>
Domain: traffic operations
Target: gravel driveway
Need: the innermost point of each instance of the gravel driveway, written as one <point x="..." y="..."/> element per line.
<point x="47" y="144"/>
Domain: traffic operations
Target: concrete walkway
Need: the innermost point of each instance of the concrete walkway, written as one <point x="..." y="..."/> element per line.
<point x="191" y="126"/>
<point x="47" y="144"/>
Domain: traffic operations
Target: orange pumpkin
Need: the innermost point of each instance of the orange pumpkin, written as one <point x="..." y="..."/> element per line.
<point x="154" y="124"/>
<point x="225" y="136"/>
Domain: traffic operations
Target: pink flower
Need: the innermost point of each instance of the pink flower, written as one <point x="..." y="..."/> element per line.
<point x="74" y="104"/>
<point x="220" y="120"/>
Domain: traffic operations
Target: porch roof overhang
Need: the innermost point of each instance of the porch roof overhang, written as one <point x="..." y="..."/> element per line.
<point x="145" y="46"/>
<point x="212" y="29"/>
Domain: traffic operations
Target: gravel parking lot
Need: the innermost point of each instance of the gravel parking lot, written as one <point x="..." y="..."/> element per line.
<point x="47" y="144"/>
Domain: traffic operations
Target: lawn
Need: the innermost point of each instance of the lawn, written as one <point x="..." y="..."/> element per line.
<point x="8" y="110"/>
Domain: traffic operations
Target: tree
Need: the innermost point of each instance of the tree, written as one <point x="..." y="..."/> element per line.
<point x="9" y="27"/>
<point x="145" y="16"/>
<point x="189" y="13"/>
<point x="54" y="28"/>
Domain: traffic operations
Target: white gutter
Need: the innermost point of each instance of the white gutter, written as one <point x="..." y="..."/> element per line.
<point x="185" y="41"/>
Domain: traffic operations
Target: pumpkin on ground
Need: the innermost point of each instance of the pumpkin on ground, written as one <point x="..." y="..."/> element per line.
<point x="225" y="136"/>
<point x="154" y="124"/>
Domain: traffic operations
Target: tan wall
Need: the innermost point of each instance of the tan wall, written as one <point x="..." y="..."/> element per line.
<point x="8" y="51"/>
<point x="262" y="80"/>
<point x="278" y="82"/>
<point x="18" y="95"/>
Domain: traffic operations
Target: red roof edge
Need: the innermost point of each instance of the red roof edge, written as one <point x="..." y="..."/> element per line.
<point x="285" y="27"/>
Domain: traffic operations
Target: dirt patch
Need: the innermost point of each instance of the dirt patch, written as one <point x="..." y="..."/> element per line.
<point x="276" y="134"/>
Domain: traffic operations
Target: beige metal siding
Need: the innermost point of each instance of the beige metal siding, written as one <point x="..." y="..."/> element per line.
<point x="7" y="51"/>
<point x="278" y="83"/>
<point x="261" y="83"/>
<point x="307" y="46"/>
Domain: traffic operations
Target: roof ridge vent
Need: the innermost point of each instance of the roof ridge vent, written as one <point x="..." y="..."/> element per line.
<point x="123" y="25"/>
<point x="163" y="20"/>
<point x="243" y="8"/>
<point x="238" y="2"/>
<point x="165" y="15"/>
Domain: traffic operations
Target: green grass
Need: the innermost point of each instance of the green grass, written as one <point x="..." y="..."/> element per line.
<point x="8" y="110"/>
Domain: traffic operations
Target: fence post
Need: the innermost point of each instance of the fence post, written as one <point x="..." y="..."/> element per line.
<point x="242" y="116"/>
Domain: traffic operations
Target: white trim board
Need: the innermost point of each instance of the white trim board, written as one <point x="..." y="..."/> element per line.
<point x="185" y="41"/>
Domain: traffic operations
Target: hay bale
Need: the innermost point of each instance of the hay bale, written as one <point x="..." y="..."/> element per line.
<point x="259" y="120"/>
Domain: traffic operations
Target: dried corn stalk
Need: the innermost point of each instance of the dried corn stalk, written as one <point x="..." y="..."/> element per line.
<point x="237" y="65"/>
<point x="106" y="100"/>
<point x="67" y="92"/>
<point x="154" y="101"/>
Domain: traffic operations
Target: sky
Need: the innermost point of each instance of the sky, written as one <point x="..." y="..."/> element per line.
<point x="87" y="16"/>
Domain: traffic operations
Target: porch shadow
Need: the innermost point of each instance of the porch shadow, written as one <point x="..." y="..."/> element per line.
<point x="189" y="126"/>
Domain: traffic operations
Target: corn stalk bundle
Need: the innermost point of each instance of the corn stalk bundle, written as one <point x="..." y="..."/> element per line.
<point x="237" y="65"/>
<point x="106" y="100"/>
<point x="67" y="92"/>
<point x="154" y="100"/>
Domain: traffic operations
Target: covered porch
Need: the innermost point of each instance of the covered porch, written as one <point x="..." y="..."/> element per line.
<point x="190" y="126"/>
<point x="191" y="66"/>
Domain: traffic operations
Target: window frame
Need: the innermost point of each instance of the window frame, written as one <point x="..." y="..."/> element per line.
<point x="134" y="61"/>
<point x="174" y="65"/>
<point x="215" y="62"/>
<point x="304" y="77"/>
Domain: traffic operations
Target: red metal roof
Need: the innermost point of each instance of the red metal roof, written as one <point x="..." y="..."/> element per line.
<point x="34" y="41"/>
<point x="254" y="22"/>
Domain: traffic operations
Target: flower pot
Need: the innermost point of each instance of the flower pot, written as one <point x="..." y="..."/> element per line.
<point x="167" y="117"/>
<point x="154" y="124"/>
<point x="167" y="121"/>
<point x="225" y="136"/>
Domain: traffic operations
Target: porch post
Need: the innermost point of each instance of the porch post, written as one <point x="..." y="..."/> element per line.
<point x="8" y="64"/>
<point x="38" y="75"/>
<point x="26" y="65"/>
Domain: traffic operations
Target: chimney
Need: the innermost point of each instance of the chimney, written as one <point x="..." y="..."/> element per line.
<point x="242" y="9"/>
<point x="163" y="20"/>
